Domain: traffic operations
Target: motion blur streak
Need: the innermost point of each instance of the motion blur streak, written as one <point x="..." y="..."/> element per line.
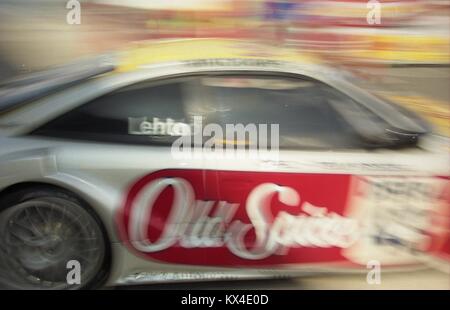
<point x="34" y="34"/>
<point x="401" y="56"/>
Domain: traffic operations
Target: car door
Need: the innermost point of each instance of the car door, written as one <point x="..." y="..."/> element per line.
<point x="337" y="192"/>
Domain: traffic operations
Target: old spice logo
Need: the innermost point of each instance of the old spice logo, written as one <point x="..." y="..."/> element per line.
<point x="190" y="223"/>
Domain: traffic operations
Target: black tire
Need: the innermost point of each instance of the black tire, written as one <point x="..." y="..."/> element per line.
<point x="41" y="228"/>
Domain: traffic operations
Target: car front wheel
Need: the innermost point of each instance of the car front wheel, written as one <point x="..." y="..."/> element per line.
<point x="49" y="239"/>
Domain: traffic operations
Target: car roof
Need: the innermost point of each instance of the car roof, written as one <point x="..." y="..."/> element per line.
<point x="143" y="55"/>
<point x="180" y="57"/>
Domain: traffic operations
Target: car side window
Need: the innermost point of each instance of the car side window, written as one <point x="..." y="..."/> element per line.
<point x="117" y="117"/>
<point x="310" y="114"/>
<point x="300" y="107"/>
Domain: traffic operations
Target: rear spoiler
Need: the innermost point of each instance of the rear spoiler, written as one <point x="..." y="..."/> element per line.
<point x="21" y="90"/>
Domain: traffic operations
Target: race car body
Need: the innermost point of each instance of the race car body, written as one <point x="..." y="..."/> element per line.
<point x="90" y="174"/>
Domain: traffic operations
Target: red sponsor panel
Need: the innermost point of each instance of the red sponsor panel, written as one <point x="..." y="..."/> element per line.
<point x="231" y="218"/>
<point x="251" y="219"/>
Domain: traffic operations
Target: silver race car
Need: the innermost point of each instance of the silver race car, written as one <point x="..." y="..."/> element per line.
<point x="93" y="191"/>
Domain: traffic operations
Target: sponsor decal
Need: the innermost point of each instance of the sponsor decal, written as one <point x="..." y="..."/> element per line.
<point x="234" y="62"/>
<point x="253" y="218"/>
<point x="273" y="218"/>
<point x="158" y="127"/>
<point x="404" y="220"/>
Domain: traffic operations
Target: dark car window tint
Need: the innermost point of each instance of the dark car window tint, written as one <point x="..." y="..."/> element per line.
<point x="301" y="108"/>
<point x="304" y="109"/>
<point x="107" y="118"/>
